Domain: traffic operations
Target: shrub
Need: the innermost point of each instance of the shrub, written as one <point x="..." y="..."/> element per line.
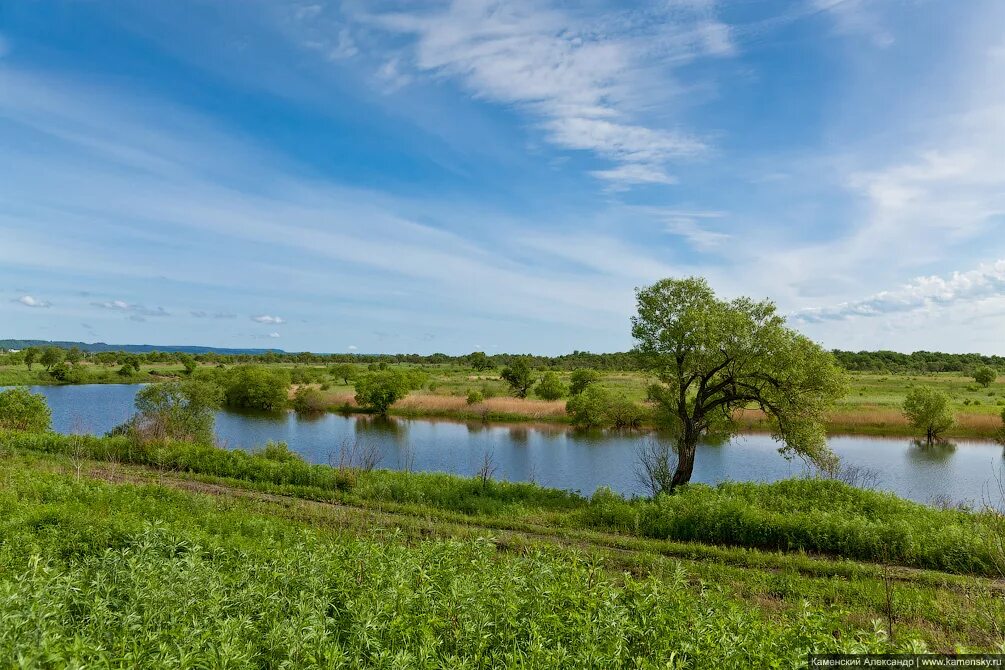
<point x="624" y="413"/>
<point x="252" y="387"/>
<point x="279" y="452"/>
<point x="176" y="410"/>
<point x="550" y="387"/>
<point x="20" y="409"/>
<point x="475" y="397"/>
<point x="589" y="408"/>
<point x="307" y="400"/>
<point x="344" y="371"/>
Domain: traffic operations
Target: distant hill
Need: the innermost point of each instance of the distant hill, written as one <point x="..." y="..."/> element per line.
<point x="130" y="348"/>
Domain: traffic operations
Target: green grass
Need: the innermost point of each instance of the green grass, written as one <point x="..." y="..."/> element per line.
<point x="815" y="516"/>
<point x="127" y="576"/>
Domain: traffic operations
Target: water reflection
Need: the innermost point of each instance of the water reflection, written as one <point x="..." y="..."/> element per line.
<point x="937" y="451"/>
<point x="552" y="455"/>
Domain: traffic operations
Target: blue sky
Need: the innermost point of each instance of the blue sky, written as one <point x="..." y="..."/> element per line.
<point x="453" y="176"/>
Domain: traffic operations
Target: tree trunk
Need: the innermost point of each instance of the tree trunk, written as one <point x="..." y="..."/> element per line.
<point x="685" y="461"/>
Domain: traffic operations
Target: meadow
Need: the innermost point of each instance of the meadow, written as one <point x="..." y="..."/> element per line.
<point x="114" y="553"/>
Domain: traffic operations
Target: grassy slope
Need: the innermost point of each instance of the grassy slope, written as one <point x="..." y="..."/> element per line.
<point x="872" y="405"/>
<point x="162" y="568"/>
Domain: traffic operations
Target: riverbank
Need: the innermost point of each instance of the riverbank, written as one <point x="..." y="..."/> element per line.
<point x="871" y="406"/>
<point x="185" y="522"/>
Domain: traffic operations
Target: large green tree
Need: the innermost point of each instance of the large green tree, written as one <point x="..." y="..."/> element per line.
<point x="253" y="387"/>
<point x="711" y="357"/>
<point x="985" y="375"/>
<point x="380" y="389"/>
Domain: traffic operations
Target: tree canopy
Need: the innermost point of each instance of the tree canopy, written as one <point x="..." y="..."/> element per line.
<point x="711" y="357"/>
<point x="380" y="389"/>
<point x="929" y="410"/>
<point x="178" y="410"/>
<point x="519" y="377"/>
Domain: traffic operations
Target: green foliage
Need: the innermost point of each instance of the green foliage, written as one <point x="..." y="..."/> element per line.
<point x="929" y="410"/>
<point x="279" y="452"/>
<point x="985" y="375"/>
<point x="582" y="378"/>
<point x="344" y="371"/>
<point x="188" y="362"/>
<point x="74" y="355"/>
<point x="588" y="409"/>
<point x="519" y="376"/>
<point x="711" y="357"/>
<point x="31" y="354"/>
<point x="596" y="407"/>
<point x="20" y="409"/>
<point x="309" y="400"/>
<point x="177" y="411"/>
<point x="550" y="387"/>
<point x="51" y="357"/>
<point x="252" y="387"/>
<point x="380" y="389"/>
<point x="479" y="361"/>
<point x="475" y="397"/>
<point x="163" y="578"/>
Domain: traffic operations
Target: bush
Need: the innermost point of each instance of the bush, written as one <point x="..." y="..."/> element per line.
<point x="550" y="387"/>
<point x="181" y="411"/>
<point x="308" y="400"/>
<point x="589" y="408"/>
<point x="20" y="409"/>
<point x="250" y="387"/>
<point x="475" y="397"/>
<point x="624" y="413"/>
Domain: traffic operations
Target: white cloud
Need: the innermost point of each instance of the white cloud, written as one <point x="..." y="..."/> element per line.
<point x="586" y="82"/>
<point x="274" y="335"/>
<point x="137" y="312"/>
<point x="30" y="301"/>
<point x="391" y="76"/>
<point x="352" y="347"/>
<point x="923" y="293"/>
<point x="266" y="318"/>
<point x="856" y="17"/>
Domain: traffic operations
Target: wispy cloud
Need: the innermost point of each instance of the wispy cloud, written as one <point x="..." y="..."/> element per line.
<point x="267" y="318"/>
<point x="274" y="335"/>
<point x="135" y="311"/>
<point x="202" y="314"/>
<point x="31" y="301"/>
<point x="586" y="82"/>
<point x="987" y="281"/>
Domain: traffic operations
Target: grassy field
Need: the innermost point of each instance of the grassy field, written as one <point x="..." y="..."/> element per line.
<point x="198" y="558"/>
<point x="871" y="406"/>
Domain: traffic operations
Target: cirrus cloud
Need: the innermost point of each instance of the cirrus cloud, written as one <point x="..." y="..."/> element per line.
<point x="268" y="318"/>
<point x="31" y="301"/>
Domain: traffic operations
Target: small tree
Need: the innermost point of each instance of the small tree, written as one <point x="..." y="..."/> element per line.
<point x="74" y="355"/>
<point x="380" y="389"/>
<point x="479" y="361"/>
<point x="51" y="357"/>
<point x="519" y="377"/>
<point x="581" y="379"/>
<point x="657" y="462"/>
<point x="985" y="375"/>
<point x="344" y="371"/>
<point x="550" y="387"/>
<point x="177" y="410"/>
<point x="188" y="362"/>
<point x="929" y="411"/>
<point x="20" y="409"/>
<point x="711" y="357"/>
<point x="30" y="356"/>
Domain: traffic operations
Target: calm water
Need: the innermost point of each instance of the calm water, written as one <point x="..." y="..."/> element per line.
<point x="553" y="456"/>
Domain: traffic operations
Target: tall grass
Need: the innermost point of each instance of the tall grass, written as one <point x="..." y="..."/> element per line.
<point x="100" y="576"/>
<point x="818" y="516"/>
